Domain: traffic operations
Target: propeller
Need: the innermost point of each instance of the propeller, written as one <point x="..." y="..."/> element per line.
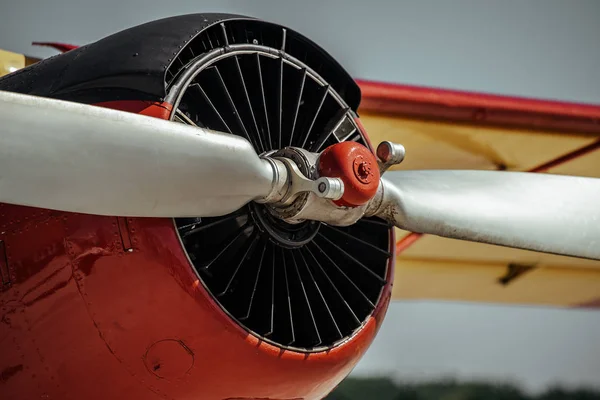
<point x="541" y="212"/>
<point x="80" y="158"/>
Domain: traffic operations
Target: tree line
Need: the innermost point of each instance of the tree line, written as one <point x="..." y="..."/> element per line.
<point x="386" y="389"/>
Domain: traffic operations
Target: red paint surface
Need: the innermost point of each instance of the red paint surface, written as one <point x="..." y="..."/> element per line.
<point x="356" y="166"/>
<point x="478" y="108"/>
<point x="149" y="108"/>
<point x="407" y="241"/>
<point x="567" y="157"/>
<point x="62" y="47"/>
<point x="83" y="318"/>
<point x="593" y="304"/>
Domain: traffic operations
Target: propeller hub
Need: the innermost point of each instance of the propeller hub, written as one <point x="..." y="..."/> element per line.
<point x="356" y="166"/>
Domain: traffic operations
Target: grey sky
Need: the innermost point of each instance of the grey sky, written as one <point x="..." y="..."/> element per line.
<point x="529" y="346"/>
<point x="541" y="48"/>
<point x="546" y="49"/>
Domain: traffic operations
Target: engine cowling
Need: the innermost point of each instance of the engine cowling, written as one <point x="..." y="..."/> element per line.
<point x="242" y="306"/>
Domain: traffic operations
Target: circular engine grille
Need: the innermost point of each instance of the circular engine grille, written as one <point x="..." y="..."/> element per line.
<point x="305" y="287"/>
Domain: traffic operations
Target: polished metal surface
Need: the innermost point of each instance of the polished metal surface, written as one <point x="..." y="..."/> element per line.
<point x="303" y="202"/>
<point x="325" y="188"/>
<point x="80" y="158"/>
<point x="389" y="154"/>
<point x="541" y="212"/>
<point x="318" y="209"/>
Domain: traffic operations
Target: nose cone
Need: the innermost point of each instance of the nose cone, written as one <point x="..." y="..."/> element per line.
<point x="356" y="166"/>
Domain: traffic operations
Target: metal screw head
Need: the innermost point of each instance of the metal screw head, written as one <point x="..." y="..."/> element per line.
<point x="322" y="187"/>
<point x="363" y="170"/>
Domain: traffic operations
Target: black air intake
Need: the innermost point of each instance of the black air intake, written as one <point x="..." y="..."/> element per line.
<point x="306" y="286"/>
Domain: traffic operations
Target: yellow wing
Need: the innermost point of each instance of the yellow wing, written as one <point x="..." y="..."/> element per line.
<point x="11" y="62"/>
<point x="453" y="130"/>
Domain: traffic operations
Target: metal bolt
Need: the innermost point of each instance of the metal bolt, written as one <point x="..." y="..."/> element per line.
<point x="389" y="154"/>
<point x="364" y="169"/>
<point x="322" y="187"/>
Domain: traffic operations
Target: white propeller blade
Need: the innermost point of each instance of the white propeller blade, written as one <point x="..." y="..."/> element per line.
<point x="74" y="157"/>
<point x="540" y="212"/>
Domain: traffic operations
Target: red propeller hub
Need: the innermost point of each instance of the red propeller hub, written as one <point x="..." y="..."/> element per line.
<point x="356" y="166"/>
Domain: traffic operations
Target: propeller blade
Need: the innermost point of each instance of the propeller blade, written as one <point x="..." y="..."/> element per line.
<point x="540" y="212"/>
<point x="80" y="158"/>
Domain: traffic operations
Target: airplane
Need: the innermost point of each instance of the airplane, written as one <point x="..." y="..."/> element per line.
<point x="192" y="208"/>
